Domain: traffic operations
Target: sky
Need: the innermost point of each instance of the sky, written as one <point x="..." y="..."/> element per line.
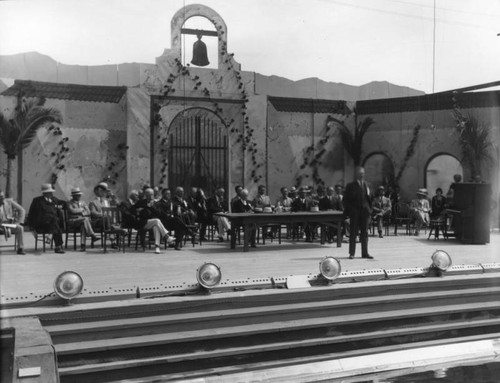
<point x="429" y="45"/>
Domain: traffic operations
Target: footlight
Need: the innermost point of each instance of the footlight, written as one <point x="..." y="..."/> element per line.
<point x="68" y="285"/>
<point x="329" y="269"/>
<point x="208" y="276"/>
<point x="441" y="261"/>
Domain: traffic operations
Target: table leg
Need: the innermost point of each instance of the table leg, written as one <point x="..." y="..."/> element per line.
<point x="339" y="234"/>
<point x="234" y="233"/>
<point x="246" y="237"/>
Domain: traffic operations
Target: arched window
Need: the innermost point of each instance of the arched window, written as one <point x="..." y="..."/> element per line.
<point x="379" y="169"/>
<point x="439" y="172"/>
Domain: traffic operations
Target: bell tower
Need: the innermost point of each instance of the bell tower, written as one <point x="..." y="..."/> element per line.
<point x="199" y="51"/>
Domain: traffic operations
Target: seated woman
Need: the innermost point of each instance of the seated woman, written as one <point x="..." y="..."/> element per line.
<point x="100" y="222"/>
<point x="438" y="204"/>
<point x="419" y="210"/>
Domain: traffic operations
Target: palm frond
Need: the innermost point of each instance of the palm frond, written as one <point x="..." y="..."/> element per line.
<point x="8" y="137"/>
<point x="36" y="118"/>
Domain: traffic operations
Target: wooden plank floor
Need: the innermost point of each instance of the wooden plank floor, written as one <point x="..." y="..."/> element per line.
<point x="32" y="275"/>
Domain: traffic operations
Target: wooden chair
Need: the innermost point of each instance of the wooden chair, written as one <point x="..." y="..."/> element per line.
<point x="402" y="217"/>
<point x="112" y="228"/>
<point x="7" y="234"/>
<point x="386" y="222"/>
<point x="72" y="233"/>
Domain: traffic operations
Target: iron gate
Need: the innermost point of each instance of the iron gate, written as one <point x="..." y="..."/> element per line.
<point x="198" y="153"/>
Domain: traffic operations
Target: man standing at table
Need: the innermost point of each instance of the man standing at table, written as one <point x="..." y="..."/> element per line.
<point x="358" y="206"/>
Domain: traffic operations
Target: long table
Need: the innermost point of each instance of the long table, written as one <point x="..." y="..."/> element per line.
<point x="251" y="221"/>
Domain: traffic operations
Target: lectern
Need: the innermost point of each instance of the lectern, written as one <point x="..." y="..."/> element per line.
<point x="472" y="201"/>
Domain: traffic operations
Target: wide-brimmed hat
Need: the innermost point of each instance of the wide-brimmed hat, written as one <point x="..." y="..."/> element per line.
<point x="47" y="188"/>
<point x="76" y="191"/>
<point x="422" y="191"/>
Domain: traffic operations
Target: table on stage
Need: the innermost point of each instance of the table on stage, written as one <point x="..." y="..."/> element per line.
<point x="251" y="221"/>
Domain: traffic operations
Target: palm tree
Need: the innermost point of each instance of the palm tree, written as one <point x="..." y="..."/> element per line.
<point x="353" y="142"/>
<point x="18" y="132"/>
<point x="474" y="140"/>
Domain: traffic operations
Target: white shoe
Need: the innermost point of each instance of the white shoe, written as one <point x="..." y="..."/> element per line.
<point x="170" y="239"/>
<point x="157" y="250"/>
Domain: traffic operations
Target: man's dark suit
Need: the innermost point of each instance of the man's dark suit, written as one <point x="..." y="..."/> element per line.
<point x="45" y="217"/>
<point x="245" y="207"/>
<point x="330" y="203"/>
<point x="358" y="206"/>
<point x="304" y="204"/>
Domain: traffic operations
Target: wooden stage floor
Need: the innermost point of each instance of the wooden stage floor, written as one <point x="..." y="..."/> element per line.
<point x="30" y="276"/>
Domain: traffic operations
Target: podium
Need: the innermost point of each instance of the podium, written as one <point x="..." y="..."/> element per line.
<point x="472" y="224"/>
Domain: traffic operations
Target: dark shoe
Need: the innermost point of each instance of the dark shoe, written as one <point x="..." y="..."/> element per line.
<point x="351" y="256"/>
<point x="20" y="251"/>
<point x="204" y="239"/>
<point x="253" y="245"/>
<point x="95" y="238"/>
<point x="178" y="246"/>
<point x="221" y="239"/>
<point x="367" y="256"/>
<point x="83" y="248"/>
<point x="380" y="235"/>
<point x="59" y="250"/>
<point x="114" y="246"/>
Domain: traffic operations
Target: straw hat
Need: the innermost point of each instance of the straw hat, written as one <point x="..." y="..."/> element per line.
<point x="76" y="191"/>
<point x="47" y="188"/>
<point x="422" y="191"/>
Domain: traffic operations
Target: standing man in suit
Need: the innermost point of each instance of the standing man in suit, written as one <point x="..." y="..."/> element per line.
<point x="358" y="206"/>
<point x="7" y="208"/>
<point x="45" y="216"/>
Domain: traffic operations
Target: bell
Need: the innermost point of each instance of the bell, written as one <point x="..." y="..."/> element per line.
<point x="200" y="57"/>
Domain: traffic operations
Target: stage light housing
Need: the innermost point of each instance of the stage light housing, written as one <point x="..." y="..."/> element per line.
<point x="68" y="285"/>
<point x="209" y="275"/>
<point x="330" y="268"/>
<point x="441" y="260"/>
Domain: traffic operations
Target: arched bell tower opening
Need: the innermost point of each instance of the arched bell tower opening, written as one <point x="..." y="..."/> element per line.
<point x="196" y="28"/>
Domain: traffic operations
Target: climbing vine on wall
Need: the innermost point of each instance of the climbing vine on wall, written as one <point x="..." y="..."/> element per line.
<point x="117" y="163"/>
<point x="60" y="153"/>
<point x="313" y="155"/>
<point x="410" y="151"/>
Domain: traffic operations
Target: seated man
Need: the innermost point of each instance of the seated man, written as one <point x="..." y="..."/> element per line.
<point x="217" y="204"/>
<point x="148" y="218"/>
<point x="9" y="209"/>
<point x="304" y="203"/>
<point x="242" y="205"/>
<point x="182" y="210"/>
<point x="262" y="201"/>
<point x="419" y="210"/>
<point x="129" y="220"/>
<point x="45" y="216"/>
<point x="381" y="209"/>
<point x="79" y="216"/>
<point x="165" y="207"/>
<point x="330" y="201"/>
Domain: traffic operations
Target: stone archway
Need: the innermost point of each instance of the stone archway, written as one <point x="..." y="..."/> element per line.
<point x="439" y="172"/>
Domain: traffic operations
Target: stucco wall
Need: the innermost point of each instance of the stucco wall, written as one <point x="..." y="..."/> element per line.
<point x="93" y="132"/>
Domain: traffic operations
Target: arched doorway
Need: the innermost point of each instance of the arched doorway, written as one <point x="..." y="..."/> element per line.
<point x="198" y="151"/>
<point x="439" y="172"/>
<point x="379" y="169"/>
